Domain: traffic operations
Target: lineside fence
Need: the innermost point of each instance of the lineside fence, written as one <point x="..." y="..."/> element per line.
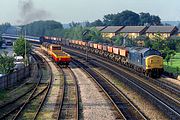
<point x="16" y="77"/>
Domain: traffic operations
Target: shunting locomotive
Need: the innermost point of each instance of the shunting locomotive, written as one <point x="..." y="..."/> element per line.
<point x="56" y="52"/>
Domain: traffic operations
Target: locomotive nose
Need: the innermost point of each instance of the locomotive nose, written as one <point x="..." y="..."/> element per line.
<point x="154" y="61"/>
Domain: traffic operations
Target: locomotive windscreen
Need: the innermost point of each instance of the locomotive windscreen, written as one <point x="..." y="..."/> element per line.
<point x="56" y="48"/>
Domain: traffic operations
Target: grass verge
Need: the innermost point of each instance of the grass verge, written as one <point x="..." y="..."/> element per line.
<point x="173" y="64"/>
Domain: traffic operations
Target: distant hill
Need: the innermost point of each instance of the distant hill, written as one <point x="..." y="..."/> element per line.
<point x="173" y="23"/>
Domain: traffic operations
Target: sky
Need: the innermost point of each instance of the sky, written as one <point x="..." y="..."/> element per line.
<point x="66" y="11"/>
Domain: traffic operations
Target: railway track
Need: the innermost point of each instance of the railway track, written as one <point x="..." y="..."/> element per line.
<point x="123" y="105"/>
<point x="168" y="104"/>
<point x="18" y="102"/>
<point x="45" y="96"/>
<point x="35" y="93"/>
<point x="65" y="88"/>
<point x="69" y="108"/>
<point x="172" y="89"/>
<point x="7" y="103"/>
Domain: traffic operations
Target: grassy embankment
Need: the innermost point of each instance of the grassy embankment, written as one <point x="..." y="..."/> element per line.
<point x="173" y="64"/>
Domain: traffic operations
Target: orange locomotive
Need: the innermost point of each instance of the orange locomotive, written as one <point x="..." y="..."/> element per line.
<point x="55" y="51"/>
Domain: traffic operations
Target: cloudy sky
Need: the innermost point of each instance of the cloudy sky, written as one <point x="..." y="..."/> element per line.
<point x="65" y="11"/>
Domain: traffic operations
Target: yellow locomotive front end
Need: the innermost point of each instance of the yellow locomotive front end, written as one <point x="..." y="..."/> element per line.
<point x="154" y="66"/>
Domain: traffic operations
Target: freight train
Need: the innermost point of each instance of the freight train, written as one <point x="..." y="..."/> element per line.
<point x="55" y="51"/>
<point x="145" y="60"/>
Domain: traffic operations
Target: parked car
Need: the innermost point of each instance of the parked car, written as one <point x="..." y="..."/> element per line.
<point x="19" y="62"/>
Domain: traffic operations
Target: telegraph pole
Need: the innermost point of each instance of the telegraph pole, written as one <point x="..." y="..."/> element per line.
<point x="84" y="33"/>
<point x="86" y="53"/>
<point x="25" y="57"/>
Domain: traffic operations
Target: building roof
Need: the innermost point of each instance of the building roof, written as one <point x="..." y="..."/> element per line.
<point x="133" y="29"/>
<point x="112" y="29"/>
<point x="161" y="29"/>
<point x="99" y="28"/>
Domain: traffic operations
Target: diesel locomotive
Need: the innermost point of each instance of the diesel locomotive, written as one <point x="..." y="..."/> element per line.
<point x="55" y="51"/>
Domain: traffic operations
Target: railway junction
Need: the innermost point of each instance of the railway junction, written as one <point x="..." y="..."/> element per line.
<point x="104" y="63"/>
<point x="96" y="88"/>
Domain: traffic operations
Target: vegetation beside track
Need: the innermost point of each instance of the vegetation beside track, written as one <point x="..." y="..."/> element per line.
<point x="3" y="94"/>
<point x="8" y="95"/>
<point x="174" y="64"/>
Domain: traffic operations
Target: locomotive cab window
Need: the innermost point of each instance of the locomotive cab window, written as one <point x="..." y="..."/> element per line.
<point x="56" y="48"/>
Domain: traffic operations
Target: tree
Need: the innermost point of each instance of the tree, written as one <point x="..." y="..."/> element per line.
<point x="19" y="47"/>
<point x="167" y="58"/>
<point x="158" y="42"/>
<point x="169" y="55"/>
<point x="148" y="43"/>
<point x="87" y="24"/>
<point x="73" y="32"/>
<point x="127" y="18"/>
<point x="76" y="32"/>
<point x="6" y="63"/>
<point x="41" y="28"/>
<point x="155" y="20"/>
<point x="177" y="70"/>
<point x="92" y="34"/>
<point x="108" y="19"/>
<point x="145" y="18"/>
<point x="97" y="23"/>
<point x="74" y="24"/>
<point x="118" y="40"/>
<point x="130" y="42"/>
<point x="124" y="18"/>
<point x="174" y="43"/>
<point x="131" y="18"/>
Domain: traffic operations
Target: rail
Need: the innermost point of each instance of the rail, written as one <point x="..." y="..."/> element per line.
<point x="70" y="102"/>
<point x="123" y="105"/>
<point x="162" y="100"/>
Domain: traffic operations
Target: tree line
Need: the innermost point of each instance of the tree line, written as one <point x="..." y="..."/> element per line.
<point x="125" y="18"/>
<point x="128" y="18"/>
<point x="41" y="28"/>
